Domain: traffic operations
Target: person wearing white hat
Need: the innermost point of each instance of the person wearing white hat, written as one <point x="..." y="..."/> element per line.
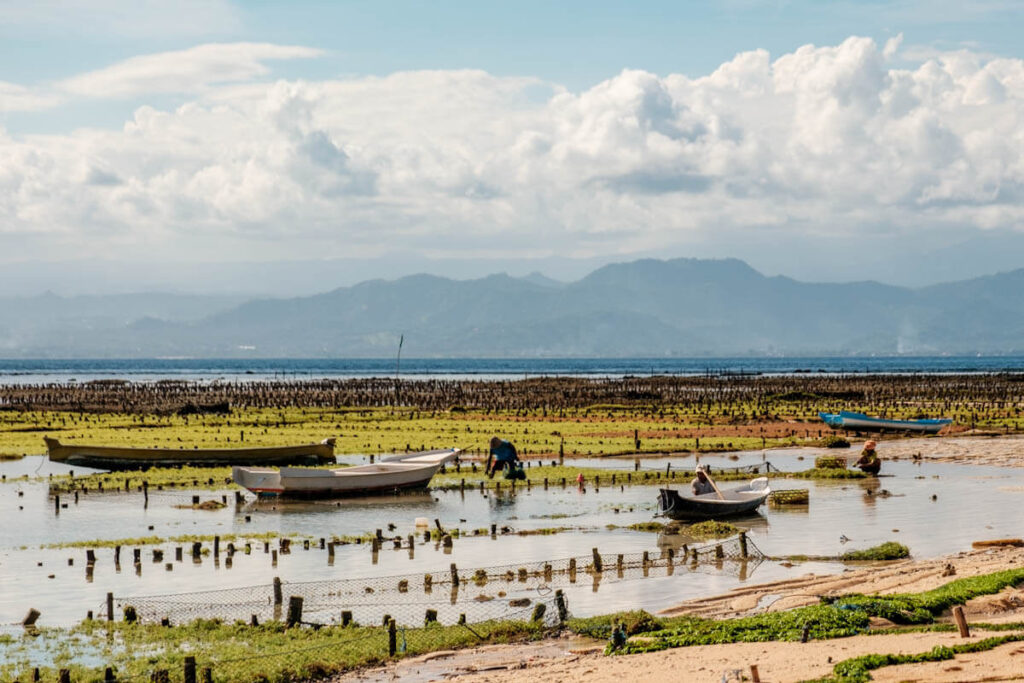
<point x="701" y="484"/>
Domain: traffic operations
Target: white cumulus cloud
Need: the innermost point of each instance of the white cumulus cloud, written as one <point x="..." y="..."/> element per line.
<point x="825" y="141"/>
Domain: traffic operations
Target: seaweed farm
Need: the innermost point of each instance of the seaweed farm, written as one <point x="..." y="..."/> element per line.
<point x="185" y="546"/>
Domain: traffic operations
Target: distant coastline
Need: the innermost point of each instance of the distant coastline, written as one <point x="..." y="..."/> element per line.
<point x="39" y="371"/>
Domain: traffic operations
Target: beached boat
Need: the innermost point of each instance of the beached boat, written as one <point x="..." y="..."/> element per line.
<point x="390" y="474"/>
<point x="117" y="458"/>
<point x="738" y="501"/>
<point x="859" y="422"/>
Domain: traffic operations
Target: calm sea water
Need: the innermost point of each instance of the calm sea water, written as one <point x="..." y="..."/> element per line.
<point x="46" y="370"/>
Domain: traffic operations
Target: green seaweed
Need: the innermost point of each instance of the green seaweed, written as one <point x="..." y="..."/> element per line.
<point x="886" y="551"/>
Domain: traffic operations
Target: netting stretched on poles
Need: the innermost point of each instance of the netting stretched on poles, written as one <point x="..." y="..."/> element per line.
<point x="344" y="648"/>
<point x="480" y="593"/>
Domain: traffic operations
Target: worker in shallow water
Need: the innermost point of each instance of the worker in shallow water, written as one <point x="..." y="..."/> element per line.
<point x="869" y="461"/>
<point x="701" y="484"/>
<point x="502" y="454"/>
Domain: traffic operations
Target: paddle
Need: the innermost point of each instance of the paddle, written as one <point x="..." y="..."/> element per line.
<point x="714" y="485"/>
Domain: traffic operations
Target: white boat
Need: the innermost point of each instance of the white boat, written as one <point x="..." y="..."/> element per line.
<point x="390" y="474"/>
<point x="737" y="501"/>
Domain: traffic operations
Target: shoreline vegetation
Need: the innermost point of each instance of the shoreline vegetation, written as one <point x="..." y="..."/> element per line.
<point x="545" y="417"/>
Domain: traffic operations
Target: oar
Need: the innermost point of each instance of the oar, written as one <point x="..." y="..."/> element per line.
<point x="714" y="485"/>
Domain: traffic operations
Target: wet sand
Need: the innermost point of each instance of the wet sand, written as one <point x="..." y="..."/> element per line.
<point x="997" y="451"/>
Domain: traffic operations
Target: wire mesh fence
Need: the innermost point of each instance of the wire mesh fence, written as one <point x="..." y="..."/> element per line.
<point x="449" y="595"/>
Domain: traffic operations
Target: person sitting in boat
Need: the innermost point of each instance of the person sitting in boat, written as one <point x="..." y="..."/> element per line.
<point x="701" y="484"/>
<point x="869" y="461"/>
<point x="502" y="453"/>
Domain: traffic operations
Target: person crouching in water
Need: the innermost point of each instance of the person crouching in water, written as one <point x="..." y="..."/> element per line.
<point x="701" y="484"/>
<point x="869" y="461"/>
<point x="502" y="452"/>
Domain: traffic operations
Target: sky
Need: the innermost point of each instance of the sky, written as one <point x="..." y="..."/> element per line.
<point x="337" y="141"/>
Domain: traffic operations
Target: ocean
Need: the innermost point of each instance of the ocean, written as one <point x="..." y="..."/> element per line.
<point x="38" y="371"/>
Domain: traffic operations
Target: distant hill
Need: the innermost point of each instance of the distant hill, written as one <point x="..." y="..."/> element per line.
<point x="680" y="307"/>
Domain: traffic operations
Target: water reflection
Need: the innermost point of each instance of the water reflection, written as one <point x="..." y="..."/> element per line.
<point x="858" y="510"/>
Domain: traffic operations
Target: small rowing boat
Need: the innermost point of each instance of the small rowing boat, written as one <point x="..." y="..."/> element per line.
<point x="732" y="502"/>
<point x="118" y="458"/>
<point x="859" y="422"/>
<point x="390" y="474"/>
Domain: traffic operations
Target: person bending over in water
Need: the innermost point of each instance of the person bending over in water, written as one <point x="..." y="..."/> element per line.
<point x="701" y="484"/>
<point x="869" y="461"/>
<point x="501" y="452"/>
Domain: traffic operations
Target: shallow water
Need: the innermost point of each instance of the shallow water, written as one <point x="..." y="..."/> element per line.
<point x="971" y="503"/>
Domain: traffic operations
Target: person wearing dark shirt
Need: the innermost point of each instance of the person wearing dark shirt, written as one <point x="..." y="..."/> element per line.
<point x="502" y="452"/>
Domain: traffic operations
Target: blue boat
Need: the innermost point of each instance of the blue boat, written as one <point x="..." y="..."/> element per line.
<point x="859" y="422"/>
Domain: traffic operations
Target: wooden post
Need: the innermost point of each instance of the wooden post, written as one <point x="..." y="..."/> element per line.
<point x="455" y="575"/>
<point x="108" y="675"/>
<point x="538" y="612"/>
<point x="743" y="544"/>
<point x="110" y="606"/>
<point x="294" y="610"/>
<point x="64" y="676"/>
<point x="190" y="669"/>
<point x="961" y="621"/>
<point x="392" y="638"/>
<point x="207" y="675"/>
<point x="277" y="591"/>
<point x="755" y="677"/>
<point x="56" y="511"/>
<point x="597" y="560"/>
<point x="346" y="617"/>
<point x="563" y="609"/>
<point x="216" y="546"/>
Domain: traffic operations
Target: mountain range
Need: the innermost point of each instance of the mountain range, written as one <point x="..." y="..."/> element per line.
<point x="645" y="308"/>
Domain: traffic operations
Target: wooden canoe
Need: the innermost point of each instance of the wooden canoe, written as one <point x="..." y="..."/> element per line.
<point x="738" y="501"/>
<point x="118" y="458"/>
<point x="392" y="474"/>
<point x="859" y="422"/>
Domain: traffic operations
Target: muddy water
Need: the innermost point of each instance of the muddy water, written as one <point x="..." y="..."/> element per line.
<point x="970" y="503"/>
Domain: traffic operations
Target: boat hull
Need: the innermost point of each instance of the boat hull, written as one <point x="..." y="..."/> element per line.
<point x="410" y="472"/>
<point x="115" y="458"/>
<point x="859" y="422"/>
<point x="737" y="502"/>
